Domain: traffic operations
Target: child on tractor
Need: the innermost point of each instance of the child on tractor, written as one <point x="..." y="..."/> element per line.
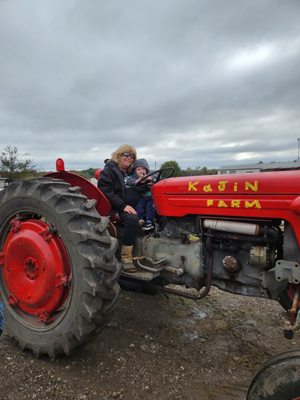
<point x="145" y="206"/>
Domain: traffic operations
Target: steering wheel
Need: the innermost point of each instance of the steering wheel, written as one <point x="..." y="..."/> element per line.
<point x="163" y="173"/>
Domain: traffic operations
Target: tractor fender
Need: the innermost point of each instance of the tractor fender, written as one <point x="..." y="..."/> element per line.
<point x="87" y="188"/>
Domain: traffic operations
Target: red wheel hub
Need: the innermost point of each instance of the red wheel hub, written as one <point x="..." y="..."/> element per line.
<point x="36" y="270"/>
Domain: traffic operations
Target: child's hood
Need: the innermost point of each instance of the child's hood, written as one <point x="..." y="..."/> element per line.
<point x="141" y="162"/>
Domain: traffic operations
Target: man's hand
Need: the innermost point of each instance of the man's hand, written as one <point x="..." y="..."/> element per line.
<point x="129" y="210"/>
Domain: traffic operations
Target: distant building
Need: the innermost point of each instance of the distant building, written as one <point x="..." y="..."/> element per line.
<point x="3" y="183"/>
<point x="258" y="167"/>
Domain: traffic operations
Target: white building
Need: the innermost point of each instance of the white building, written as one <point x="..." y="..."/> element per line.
<point x="258" y="167"/>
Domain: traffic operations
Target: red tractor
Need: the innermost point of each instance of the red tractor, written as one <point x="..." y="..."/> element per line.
<point x="58" y="249"/>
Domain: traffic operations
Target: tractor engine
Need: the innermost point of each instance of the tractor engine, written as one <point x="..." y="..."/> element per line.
<point x="235" y="255"/>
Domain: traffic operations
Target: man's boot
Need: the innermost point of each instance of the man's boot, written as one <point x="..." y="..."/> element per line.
<point x="126" y="259"/>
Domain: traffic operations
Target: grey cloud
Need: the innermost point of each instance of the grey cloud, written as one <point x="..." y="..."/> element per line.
<point x="77" y="75"/>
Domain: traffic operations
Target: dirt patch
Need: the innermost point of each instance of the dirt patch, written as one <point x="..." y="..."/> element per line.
<point x="158" y="347"/>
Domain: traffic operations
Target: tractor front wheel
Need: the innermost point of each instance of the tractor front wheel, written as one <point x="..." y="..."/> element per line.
<point x="278" y="379"/>
<point x="58" y="271"/>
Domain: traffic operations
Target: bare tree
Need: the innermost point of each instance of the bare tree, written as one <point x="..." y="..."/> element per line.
<point x="13" y="165"/>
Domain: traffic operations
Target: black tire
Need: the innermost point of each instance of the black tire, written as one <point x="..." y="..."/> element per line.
<point x="91" y="289"/>
<point x="279" y="379"/>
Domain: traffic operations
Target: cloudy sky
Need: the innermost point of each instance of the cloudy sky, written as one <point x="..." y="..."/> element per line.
<point x="203" y="82"/>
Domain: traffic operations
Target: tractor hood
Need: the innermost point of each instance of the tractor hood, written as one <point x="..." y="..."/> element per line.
<point x="275" y="183"/>
<point x="266" y="195"/>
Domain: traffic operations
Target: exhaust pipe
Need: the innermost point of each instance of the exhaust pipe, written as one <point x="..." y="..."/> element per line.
<point x="231" y="226"/>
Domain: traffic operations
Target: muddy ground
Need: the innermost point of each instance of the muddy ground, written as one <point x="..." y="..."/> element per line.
<point x="157" y="347"/>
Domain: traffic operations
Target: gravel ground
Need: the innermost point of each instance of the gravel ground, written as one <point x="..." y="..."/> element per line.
<point x="157" y="347"/>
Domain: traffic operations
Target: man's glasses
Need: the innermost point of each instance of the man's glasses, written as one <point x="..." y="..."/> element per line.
<point x="128" y="155"/>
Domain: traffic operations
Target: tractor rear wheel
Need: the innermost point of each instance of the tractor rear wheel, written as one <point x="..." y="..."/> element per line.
<point x="278" y="379"/>
<point x="58" y="271"/>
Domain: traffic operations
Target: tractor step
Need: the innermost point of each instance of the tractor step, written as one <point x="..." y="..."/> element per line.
<point x="141" y="275"/>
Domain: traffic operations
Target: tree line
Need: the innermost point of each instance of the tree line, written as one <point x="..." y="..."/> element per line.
<point x="14" y="165"/>
<point x="90" y="172"/>
<point x="188" y="171"/>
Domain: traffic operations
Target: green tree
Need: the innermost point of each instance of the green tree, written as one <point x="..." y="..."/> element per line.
<point x="86" y="173"/>
<point x="198" y="171"/>
<point x="12" y="164"/>
<point x="172" y="164"/>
